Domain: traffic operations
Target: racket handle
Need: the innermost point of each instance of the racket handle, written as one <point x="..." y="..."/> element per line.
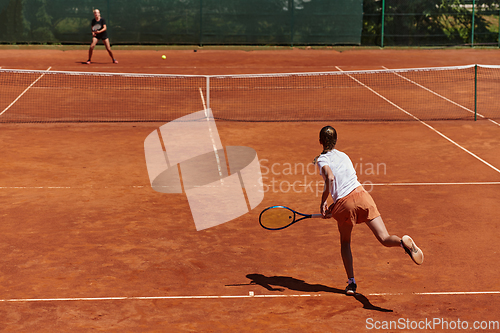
<point x="316" y="216"/>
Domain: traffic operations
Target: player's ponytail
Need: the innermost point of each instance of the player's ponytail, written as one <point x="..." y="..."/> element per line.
<point x="328" y="138"/>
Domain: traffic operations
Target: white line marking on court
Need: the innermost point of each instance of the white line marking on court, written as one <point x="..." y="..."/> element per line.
<point x="459" y="146"/>
<point x="446" y="99"/>
<point x="440" y="293"/>
<point x="418" y="184"/>
<point x="69" y="187"/>
<point x="422" y="122"/>
<point x="250" y="295"/>
<point x="34" y="187"/>
<point x="432" y="184"/>
<point x="203" y="99"/>
<point x="219" y="167"/>
<point x="299" y="185"/>
<point x="25" y="90"/>
<point x="12" y="300"/>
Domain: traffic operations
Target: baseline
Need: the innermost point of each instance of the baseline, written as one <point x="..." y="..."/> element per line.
<point x="250" y="295"/>
<point x="300" y="185"/>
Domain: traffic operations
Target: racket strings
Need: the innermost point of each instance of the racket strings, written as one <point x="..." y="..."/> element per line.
<point x="277" y="218"/>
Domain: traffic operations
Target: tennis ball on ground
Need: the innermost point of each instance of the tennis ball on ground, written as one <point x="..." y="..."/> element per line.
<point x="164" y="57"/>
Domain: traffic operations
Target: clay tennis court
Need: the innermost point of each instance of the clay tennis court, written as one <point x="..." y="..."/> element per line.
<point x="87" y="245"/>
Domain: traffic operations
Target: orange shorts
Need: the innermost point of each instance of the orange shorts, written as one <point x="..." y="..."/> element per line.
<point x="356" y="207"/>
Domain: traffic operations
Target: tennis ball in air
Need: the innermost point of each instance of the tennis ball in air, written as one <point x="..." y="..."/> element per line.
<point x="164" y="57"/>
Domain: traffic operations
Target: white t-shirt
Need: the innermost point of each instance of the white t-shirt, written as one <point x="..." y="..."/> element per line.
<point x="346" y="179"/>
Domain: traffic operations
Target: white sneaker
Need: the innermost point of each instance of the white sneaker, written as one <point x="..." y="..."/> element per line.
<point x="413" y="251"/>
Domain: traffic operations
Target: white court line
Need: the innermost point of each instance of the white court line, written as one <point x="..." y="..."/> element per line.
<point x="446" y="99"/>
<point x="251" y="295"/>
<point x="13" y="300"/>
<point x="299" y="185"/>
<point x="422" y="122"/>
<point x="25" y="90"/>
<point x="35" y="187"/>
<point x="417" y="184"/>
<point x="67" y="187"/>
<point x="212" y="138"/>
<point x="203" y="100"/>
<point x="441" y="293"/>
<point x="432" y="184"/>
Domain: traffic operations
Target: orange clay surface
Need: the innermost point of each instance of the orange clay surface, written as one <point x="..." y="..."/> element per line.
<point x="87" y="245"/>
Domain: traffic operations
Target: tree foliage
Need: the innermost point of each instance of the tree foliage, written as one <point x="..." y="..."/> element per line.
<point x="12" y="21"/>
<point x="430" y="22"/>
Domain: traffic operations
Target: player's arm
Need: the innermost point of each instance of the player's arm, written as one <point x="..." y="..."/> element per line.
<point x="99" y="31"/>
<point x="328" y="177"/>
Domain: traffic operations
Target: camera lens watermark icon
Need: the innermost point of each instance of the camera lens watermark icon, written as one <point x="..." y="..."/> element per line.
<point x="187" y="156"/>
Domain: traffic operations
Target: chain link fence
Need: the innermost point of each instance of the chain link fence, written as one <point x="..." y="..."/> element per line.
<point x="255" y="22"/>
<point x="190" y="22"/>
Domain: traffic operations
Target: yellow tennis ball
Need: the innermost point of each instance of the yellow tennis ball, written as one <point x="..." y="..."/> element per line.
<point x="164" y="57"/>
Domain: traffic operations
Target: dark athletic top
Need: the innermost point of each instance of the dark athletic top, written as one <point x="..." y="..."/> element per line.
<point x="103" y="35"/>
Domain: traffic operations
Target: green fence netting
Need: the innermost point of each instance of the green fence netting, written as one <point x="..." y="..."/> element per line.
<point x="430" y="22"/>
<point x="192" y="22"/>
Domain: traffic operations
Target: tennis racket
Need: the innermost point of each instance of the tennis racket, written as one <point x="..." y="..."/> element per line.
<point x="96" y="27"/>
<point x="281" y="217"/>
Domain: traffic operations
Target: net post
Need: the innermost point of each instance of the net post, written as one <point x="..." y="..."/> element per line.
<point x="475" y="92"/>
<point x="383" y="23"/>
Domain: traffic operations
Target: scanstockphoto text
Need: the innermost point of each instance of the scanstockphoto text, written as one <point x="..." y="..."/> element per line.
<point x="304" y="177"/>
<point x="433" y="324"/>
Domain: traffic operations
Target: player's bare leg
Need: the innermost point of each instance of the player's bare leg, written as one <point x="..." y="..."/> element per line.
<point x="91" y="49"/>
<point x="108" y="48"/>
<point x="378" y="228"/>
<point x="345" y="230"/>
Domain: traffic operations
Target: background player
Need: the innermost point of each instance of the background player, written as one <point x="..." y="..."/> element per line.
<point x="99" y="32"/>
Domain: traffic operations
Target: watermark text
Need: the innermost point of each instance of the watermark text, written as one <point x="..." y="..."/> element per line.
<point x="430" y="324"/>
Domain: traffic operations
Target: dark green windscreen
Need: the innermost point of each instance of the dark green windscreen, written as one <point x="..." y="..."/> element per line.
<point x="192" y="22"/>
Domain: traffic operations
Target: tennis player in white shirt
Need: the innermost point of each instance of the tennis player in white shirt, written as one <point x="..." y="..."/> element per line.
<point x="352" y="204"/>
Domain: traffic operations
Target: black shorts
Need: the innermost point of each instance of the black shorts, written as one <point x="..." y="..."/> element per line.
<point x="102" y="36"/>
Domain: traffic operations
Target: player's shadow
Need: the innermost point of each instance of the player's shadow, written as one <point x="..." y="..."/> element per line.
<point x="279" y="283"/>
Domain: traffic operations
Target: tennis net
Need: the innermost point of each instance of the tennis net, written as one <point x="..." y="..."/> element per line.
<point x="379" y="95"/>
